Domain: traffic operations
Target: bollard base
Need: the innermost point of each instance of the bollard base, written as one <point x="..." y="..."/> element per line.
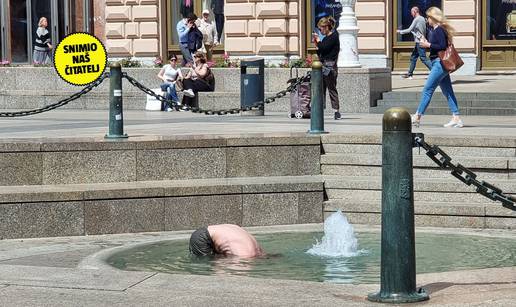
<point x="116" y="136"/>
<point x="399" y="298"/>
<point x="317" y="132"/>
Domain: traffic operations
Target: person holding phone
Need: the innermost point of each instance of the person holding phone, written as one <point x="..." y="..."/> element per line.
<point x="418" y="29"/>
<point x="328" y="51"/>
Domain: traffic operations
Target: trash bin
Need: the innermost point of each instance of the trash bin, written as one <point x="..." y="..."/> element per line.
<point x="252" y="86"/>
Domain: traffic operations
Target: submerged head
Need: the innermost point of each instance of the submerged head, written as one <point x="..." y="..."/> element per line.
<point x="201" y="243"/>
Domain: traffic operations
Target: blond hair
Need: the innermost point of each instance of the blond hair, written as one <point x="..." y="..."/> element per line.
<point x="40" y="22"/>
<point x="326" y="21"/>
<point x="438" y="17"/>
<point x="201" y="56"/>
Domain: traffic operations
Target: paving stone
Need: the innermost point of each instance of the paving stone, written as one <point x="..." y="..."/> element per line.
<point x="310" y="207"/>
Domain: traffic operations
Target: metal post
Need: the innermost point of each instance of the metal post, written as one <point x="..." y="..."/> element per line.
<point x="317" y="109"/>
<point x="398" y="260"/>
<point x="116" y="116"/>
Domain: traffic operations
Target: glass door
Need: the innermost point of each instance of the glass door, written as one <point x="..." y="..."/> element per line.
<point x="498" y="34"/>
<point x="402" y="45"/>
<point x="18" y="20"/>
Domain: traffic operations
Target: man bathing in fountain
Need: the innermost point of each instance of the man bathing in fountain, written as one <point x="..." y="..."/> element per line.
<point x="226" y="240"/>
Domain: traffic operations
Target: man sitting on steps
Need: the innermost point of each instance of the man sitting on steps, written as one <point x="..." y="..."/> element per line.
<point x="225" y="239"/>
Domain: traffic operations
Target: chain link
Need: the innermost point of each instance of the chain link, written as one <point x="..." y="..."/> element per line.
<point x="58" y="104"/>
<point x="258" y="105"/>
<point x="464" y="174"/>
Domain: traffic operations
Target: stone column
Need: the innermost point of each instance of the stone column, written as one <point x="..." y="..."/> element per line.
<point x="348" y="31"/>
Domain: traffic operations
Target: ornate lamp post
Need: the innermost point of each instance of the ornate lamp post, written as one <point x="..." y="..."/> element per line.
<point x="348" y="31"/>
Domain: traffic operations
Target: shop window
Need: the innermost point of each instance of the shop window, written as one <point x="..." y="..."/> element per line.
<point x="501" y="20"/>
<point x="404" y="18"/>
<point x="317" y="9"/>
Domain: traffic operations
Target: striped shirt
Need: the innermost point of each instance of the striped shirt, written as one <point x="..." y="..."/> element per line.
<point x="42" y="39"/>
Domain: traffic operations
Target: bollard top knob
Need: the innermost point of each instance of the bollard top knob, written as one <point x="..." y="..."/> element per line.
<point x="115" y="64"/>
<point x="397" y="119"/>
<point x="316" y="64"/>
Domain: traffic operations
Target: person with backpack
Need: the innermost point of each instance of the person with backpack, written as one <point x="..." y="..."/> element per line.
<point x="198" y="79"/>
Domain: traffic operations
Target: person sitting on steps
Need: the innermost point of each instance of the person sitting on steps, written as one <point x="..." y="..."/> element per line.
<point x="170" y="74"/>
<point x="199" y="78"/>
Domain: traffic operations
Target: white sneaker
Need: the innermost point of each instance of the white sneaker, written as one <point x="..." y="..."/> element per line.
<point x="415" y="122"/>
<point x="189" y="93"/>
<point x="454" y="124"/>
<point x="169" y="109"/>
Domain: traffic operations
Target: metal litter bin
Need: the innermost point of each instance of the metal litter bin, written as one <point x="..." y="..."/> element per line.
<point x="252" y="85"/>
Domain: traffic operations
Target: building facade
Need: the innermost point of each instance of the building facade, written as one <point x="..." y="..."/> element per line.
<point x="274" y="29"/>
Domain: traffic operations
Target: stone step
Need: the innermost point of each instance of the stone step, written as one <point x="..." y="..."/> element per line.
<point x="489" y="163"/>
<point x="97" y="160"/>
<point x="453" y="141"/>
<point x="442" y="103"/>
<point x="361" y="170"/>
<point x="435" y="110"/>
<point x="89" y="209"/>
<point x="432" y="214"/>
<point x="352" y="195"/>
<point x="452" y="151"/>
<point x="451" y="185"/>
<point x="468" y="96"/>
<point x="132" y="100"/>
<point x="492" y="209"/>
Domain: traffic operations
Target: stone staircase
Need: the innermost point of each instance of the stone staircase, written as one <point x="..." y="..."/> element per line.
<point x="502" y="104"/>
<point x="351" y="168"/>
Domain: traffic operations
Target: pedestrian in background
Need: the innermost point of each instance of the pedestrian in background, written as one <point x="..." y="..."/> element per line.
<point x="418" y="29"/>
<point x="209" y="33"/>
<point x="439" y="35"/>
<point x="194" y="35"/>
<point x="183" y="29"/>
<point x="328" y="51"/>
<point x="42" y="45"/>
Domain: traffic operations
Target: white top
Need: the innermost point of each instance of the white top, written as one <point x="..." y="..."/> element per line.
<point x="170" y="73"/>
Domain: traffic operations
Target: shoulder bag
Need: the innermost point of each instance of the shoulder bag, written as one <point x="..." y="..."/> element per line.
<point x="450" y="58"/>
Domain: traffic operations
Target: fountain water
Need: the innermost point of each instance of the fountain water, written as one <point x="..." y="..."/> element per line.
<point x="339" y="239"/>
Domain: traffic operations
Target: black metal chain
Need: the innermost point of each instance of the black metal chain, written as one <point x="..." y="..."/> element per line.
<point x="58" y="104"/>
<point x="464" y="174"/>
<point x="177" y="106"/>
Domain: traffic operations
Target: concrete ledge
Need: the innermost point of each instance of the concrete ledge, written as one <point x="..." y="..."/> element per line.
<point x="359" y="88"/>
<point x="71" y="210"/>
<point x="91" y="160"/>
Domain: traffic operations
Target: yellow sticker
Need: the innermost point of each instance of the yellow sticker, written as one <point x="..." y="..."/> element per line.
<point x="80" y="58"/>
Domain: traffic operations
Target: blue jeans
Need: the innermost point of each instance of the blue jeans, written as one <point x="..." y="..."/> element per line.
<point x="418" y="52"/>
<point x="438" y="76"/>
<point x="187" y="56"/>
<point x="170" y="89"/>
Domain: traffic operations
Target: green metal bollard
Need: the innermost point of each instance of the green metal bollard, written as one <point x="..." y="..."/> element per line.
<point x="317" y="109"/>
<point x="116" y="114"/>
<point x="398" y="260"/>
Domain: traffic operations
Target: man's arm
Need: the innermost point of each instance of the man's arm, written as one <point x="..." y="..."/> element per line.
<point x="182" y="31"/>
<point x="412" y="26"/>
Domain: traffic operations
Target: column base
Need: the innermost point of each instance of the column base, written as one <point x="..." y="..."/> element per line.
<point x="399" y="298"/>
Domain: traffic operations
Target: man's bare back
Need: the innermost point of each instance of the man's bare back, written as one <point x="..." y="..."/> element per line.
<point x="233" y="240"/>
<point x="225" y="239"/>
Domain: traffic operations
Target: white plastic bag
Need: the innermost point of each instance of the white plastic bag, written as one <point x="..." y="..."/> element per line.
<point x="153" y="104"/>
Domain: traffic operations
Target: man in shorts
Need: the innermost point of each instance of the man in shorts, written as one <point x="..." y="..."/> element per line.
<point x="225" y="239"/>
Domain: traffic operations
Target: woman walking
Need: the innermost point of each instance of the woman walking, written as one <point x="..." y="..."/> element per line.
<point x="439" y="35"/>
<point x="42" y="44"/>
